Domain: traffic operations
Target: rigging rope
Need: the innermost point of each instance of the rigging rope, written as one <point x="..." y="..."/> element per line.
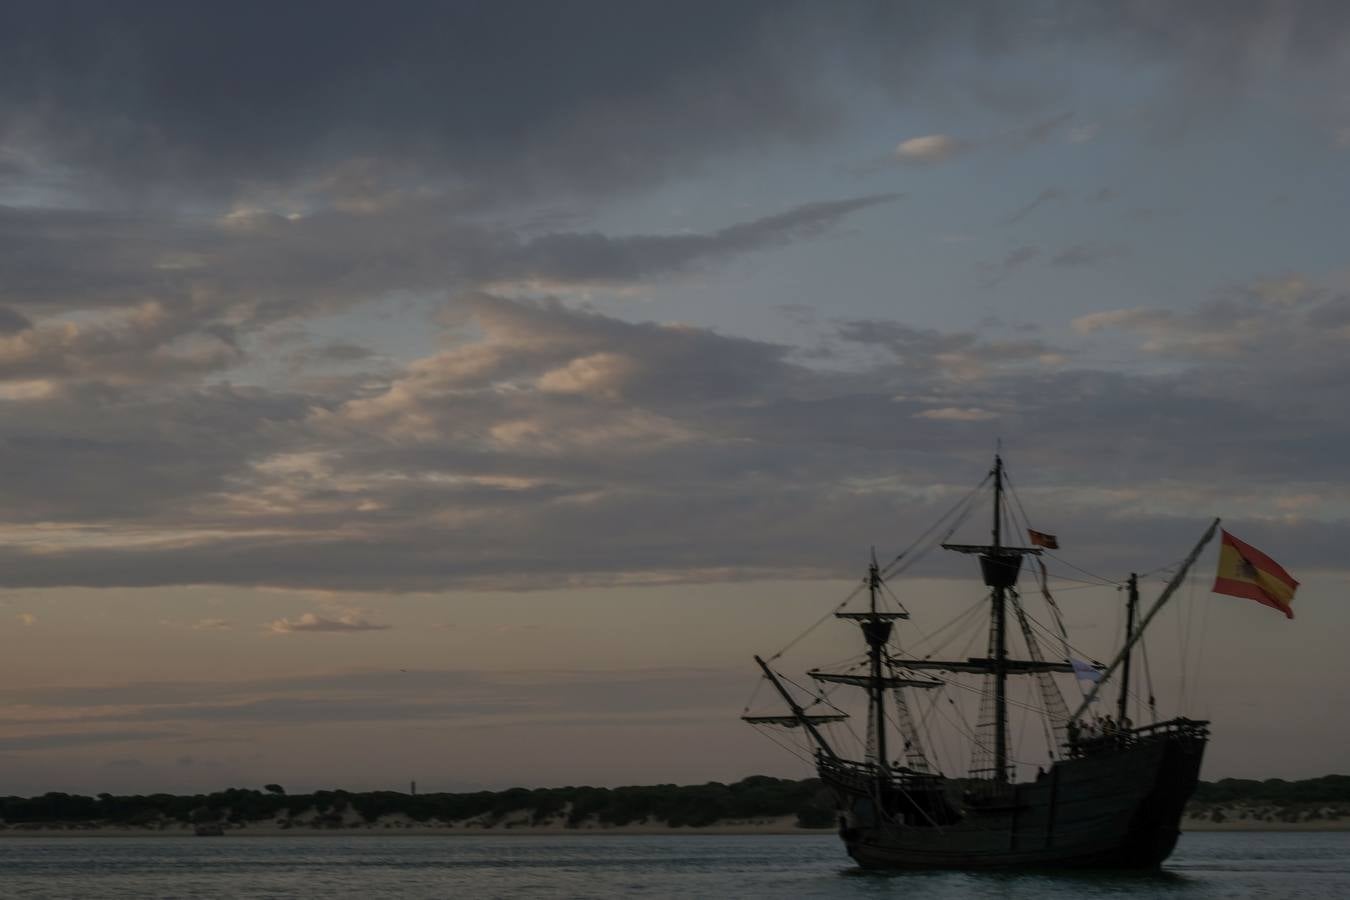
<point x="1026" y="520"/>
<point x="821" y="621"/>
<point x="1148" y="679"/>
<point x="890" y="568"/>
<point x="927" y="639"/>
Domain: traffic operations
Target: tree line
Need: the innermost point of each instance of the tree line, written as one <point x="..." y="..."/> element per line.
<point x="678" y="806"/>
<point x="688" y="806"/>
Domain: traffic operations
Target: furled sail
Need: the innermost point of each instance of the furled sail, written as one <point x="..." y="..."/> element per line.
<point x="794" y="721"/>
<point x="886" y="681"/>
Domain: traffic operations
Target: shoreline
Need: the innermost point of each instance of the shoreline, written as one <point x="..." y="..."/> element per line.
<point x="768" y="828"/>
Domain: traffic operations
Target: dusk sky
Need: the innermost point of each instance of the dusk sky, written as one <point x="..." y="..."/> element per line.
<point x="465" y="391"/>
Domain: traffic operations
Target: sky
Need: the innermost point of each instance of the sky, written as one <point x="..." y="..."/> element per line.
<point x="465" y="392"/>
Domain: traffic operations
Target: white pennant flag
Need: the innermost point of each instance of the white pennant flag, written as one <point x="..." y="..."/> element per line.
<point x="1084" y="671"/>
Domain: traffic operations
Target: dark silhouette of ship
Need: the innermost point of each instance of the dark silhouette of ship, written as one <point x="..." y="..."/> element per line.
<point x="1112" y="795"/>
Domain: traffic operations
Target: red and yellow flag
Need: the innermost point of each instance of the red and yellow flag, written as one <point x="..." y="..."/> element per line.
<point x="1042" y="539"/>
<point x="1245" y="571"/>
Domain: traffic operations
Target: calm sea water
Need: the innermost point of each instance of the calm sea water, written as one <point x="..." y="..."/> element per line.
<point x="1215" y="865"/>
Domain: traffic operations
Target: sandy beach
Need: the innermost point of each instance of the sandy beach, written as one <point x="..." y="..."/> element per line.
<point x="510" y="826"/>
<point x="521" y="826"/>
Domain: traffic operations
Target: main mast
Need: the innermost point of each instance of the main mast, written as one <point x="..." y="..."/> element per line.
<point x="1000" y="565"/>
<point x="1000" y="636"/>
<point x="877" y="632"/>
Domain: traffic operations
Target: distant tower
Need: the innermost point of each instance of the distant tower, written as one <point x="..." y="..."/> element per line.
<point x="412" y="788"/>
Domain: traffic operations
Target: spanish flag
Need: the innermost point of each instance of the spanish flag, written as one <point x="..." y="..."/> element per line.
<point x="1245" y="571"/>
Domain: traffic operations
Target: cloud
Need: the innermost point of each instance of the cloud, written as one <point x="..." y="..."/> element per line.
<point x="12" y="321"/>
<point x="113" y="315"/>
<point x="552" y="697"/>
<point x="1042" y="130"/>
<point x="1285" y="316"/>
<point x="114" y="455"/>
<point x="542" y="445"/>
<point x="1047" y="196"/>
<point x="372" y="85"/>
<point x="212" y="625"/>
<point x="340" y="352"/>
<point x="591" y="258"/>
<point x="124" y="763"/>
<point x="930" y="148"/>
<point x="991" y="273"/>
<point x="1121" y="318"/>
<point x="64" y="740"/>
<point x="1081" y="255"/>
<point x="615" y="92"/>
<point x="1082" y="134"/>
<point x="313" y="622"/>
<point x="957" y="414"/>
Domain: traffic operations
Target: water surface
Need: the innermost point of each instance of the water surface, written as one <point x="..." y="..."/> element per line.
<point x="1205" y="865"/>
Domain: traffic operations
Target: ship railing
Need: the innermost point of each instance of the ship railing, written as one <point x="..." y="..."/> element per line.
<point x="1115" y="738"/>
<point x="863" y="775"/>
<point x="1180" y="725"/>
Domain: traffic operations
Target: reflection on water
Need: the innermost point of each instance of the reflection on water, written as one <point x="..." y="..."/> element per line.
<point x="1216" y="865"/>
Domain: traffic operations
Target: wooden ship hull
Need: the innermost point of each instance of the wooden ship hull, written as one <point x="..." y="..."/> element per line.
<point x="1117" y="807"/>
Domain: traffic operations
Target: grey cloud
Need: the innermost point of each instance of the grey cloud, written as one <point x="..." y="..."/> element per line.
<point x="929" y="149"/>
<point x="60" y="741"/>
<point x="509" y="95"/>
<point x="223" y="692"/>
<point x="339" y="352"/>
<point x="124" y="763"/>
<point x="550" y="446"/>
<point x="98" y="454"/>
<point x="313" y="622"/>
<point x="932" y="149"/>
<point x="604" y="92"/>
<point x="1046" y="128"/>
<point x="927" y="351"/>
<point x="1047" y="196"/>
<point x="1079" y="255"/>
<point x="12" y="321"/>
<point x="298" y="710"/>
<point x="993" y="272"/>
<point x="388" y="696"/>
<point x="596" y="257"/>
<point x="177" y="304"/>
<point x="1333" y="313"/>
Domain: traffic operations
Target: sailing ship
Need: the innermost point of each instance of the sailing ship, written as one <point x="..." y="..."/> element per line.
<point x="1112" y="795"/>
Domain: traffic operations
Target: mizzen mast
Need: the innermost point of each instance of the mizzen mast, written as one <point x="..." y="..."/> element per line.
<point x="1131" y="605"/>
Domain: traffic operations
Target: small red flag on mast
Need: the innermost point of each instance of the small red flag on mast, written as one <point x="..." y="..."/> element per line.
<point x="1041" y="539"/>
